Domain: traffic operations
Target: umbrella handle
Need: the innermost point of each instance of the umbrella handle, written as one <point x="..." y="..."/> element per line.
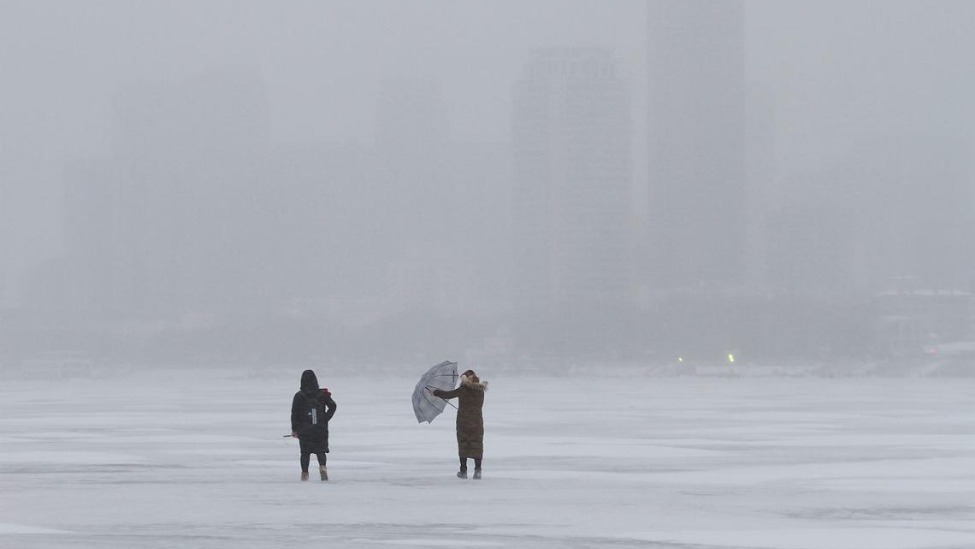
<point x="442" y="398"/>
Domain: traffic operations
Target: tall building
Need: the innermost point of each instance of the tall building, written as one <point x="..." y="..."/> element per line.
<point x="696" y="125"/>
<point x="191" y="155"/>
<point x="571" y="181"/>
<point x="411" y="146"/>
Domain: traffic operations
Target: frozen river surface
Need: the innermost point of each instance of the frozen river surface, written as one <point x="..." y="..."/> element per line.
<point x="183" y="460"/>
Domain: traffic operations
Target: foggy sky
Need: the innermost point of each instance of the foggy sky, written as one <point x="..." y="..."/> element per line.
<point x="322" y="64"/>
<point x="838" y="74"/>
<point x="823" y="79"/>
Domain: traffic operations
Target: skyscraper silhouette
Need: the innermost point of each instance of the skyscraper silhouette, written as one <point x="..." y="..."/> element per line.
<point x="571" y="181"/>
<point x="696" y="122"/>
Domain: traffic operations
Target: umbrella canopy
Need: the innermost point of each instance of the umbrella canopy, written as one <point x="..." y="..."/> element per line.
<point x="443" y="376"/>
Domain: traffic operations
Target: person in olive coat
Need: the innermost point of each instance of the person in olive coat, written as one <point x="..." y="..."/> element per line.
<point x="470" y="420"/>
<point x="311" y="409"/>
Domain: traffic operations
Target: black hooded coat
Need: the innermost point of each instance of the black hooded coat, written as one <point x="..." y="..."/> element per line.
<point x="311" y="410"/>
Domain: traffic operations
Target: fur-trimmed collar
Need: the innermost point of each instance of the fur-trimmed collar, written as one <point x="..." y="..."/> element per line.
<point x="481" y="385"/>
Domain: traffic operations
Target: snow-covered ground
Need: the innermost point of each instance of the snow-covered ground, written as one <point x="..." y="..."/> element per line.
<point x="177" y="459"/>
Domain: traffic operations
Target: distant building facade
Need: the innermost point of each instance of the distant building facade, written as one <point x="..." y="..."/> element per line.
<point x="571" y="181"/>
<point x="696" y="126"/>
<point x="191" y="155"/>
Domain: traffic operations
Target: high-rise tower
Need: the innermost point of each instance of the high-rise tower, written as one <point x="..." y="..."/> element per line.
<point x="571" y="180"/>
<point x="696" y="126"/>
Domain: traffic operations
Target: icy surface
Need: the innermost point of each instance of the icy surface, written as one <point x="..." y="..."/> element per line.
<point x="181" y="459"/>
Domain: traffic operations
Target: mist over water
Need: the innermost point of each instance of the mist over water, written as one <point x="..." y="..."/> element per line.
<point x="509" y="183"/>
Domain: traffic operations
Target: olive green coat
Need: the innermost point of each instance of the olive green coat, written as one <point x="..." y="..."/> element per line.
<point x="470" y="421"/>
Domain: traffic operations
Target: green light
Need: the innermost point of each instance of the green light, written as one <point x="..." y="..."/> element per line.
<point x="680" y="359"/>
<point x="731" y="358"/>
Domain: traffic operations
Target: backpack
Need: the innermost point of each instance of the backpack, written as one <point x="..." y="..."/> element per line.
<point x="314" y="416"/>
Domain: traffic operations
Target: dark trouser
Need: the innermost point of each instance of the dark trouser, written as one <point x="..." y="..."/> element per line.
<point x="306" y="459"/>
<point x="463" y="463"/>
<point x="309" y="446"/>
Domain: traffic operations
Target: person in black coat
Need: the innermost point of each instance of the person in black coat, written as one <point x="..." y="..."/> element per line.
<point x="311" y="409"/>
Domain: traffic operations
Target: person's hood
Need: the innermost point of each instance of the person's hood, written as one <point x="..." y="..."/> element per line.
<point x="309" y="382"/>
<point x="473" y="382"/>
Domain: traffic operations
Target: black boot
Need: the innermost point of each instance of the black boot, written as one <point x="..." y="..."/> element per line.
<point x="463" y="468"/>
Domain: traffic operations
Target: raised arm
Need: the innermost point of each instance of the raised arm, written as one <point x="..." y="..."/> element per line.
<point x="446" y="394"/>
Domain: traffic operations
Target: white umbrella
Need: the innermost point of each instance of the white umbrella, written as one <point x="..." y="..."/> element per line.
<point x="443" y="376"/>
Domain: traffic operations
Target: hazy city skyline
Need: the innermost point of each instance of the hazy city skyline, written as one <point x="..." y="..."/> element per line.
<point x="322" y="66"/>
<point x="364" y="160"/>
